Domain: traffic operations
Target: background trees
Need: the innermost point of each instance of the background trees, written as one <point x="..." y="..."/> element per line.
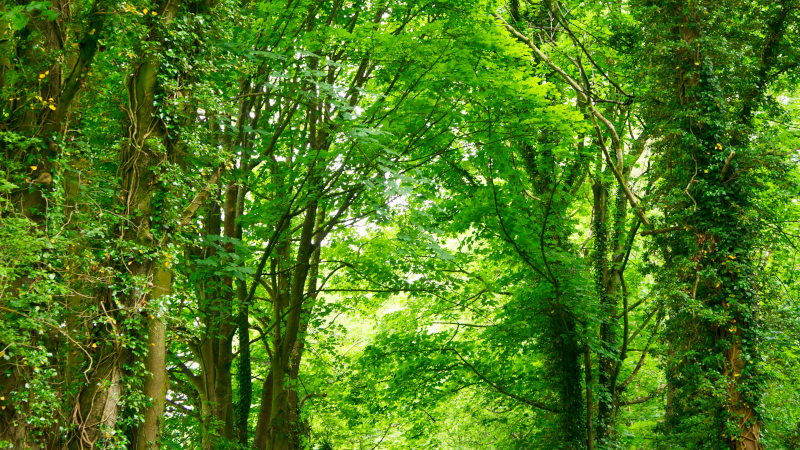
<point x="331" y="224"/>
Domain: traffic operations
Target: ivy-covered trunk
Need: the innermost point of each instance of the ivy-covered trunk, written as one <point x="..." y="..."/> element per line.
<point x="142" y="162"/>
<point x="609" y="254"/>
<point x="604" y="286"/>
<point x="712" y="254"/>
<point x="43" y="90"/>
<point x="564" y="351"/>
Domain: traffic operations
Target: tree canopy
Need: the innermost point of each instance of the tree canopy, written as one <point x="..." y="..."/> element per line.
<point x="332" y="224"/>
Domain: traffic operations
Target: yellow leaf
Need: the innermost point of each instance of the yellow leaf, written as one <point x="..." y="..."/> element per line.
<point x="144" y="10"/>
<point x="33" y="167"/>
<point x="94" y="345"/>
<point x="731" y="257"/>
<point x="154" y="13"/>
<point x="41" y="75"/>
<point x="53" y="107"/>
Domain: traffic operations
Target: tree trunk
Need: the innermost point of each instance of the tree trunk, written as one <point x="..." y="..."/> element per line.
<point x="140" y="162"/>
<point x="155" y="386"/>
<point x="261" y="437"/>
<point x="713" y="255"/>
<point x="611" y="270"/>
<point x="587" y="367"/>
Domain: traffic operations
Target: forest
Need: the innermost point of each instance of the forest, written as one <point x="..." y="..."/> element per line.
<point x="400" y="224"/>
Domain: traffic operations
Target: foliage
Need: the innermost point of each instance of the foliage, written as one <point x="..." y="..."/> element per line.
<point x="330" y="224"/>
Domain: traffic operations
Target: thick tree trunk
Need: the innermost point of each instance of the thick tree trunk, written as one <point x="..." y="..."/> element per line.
<point x="140" y="161"/>
<point x="12" y="417"/>
<point x="35" y="46"/>
<point x="713" y="255"/>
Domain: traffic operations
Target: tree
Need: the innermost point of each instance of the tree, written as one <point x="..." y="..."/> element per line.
<point x="290" y="224"/>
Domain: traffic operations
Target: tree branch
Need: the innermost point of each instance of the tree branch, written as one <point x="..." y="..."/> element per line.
<point x="533" y="403"/>
<point x="639" y="400"/>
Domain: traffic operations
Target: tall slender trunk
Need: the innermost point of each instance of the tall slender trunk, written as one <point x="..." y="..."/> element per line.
<point x="156" y="383"/>
<point x="602" y="273"/>
<point x="243" y="370"/>
<point x="299" y="428"/>
<point x="587" y="367"/>
<point x="261" y="436"/>
<point x="611" y="270"/>
<point x="565" y="349"/>
<point x="285" y="338"/>
<point x="214" y="349"/>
